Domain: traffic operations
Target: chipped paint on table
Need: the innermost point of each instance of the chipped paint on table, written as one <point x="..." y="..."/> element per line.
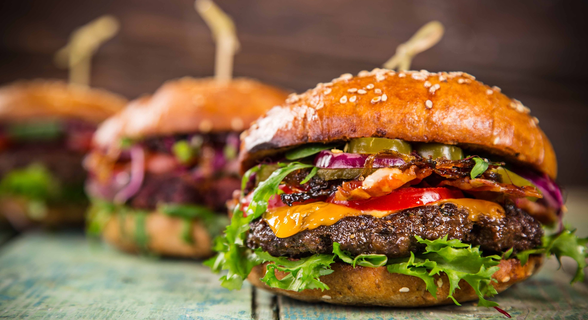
<point x="64" y="276"/>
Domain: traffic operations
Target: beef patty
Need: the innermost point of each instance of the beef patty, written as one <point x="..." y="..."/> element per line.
<point x="395" y="234"/>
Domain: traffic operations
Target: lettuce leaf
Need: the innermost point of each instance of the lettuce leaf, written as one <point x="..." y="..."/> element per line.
<point x="214" y="222"/>
<point x="564" y="243"/>
<point x="308" y="150"/>
<point x="364" y="260"/>
<point x="459" y="261"/>
<point x="480" y="167"/>
<point x="33" y="182"/>
<point x="301" y="274"/>
<point x="233" y="255"/>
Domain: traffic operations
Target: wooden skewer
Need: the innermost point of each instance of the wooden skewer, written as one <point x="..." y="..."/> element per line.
<point x="427" y="36"/>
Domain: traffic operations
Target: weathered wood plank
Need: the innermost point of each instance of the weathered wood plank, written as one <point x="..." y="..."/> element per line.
<point x="265" y="305"/>
<point x="63" y="276"/>
<point x="545" y="296"/>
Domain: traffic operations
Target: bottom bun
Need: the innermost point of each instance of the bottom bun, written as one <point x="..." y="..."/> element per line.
<point x="163" y="236"/>
<point x="17" y="211"/>
<point x="364" y="286"/>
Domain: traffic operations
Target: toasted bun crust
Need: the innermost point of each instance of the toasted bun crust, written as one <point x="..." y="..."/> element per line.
<point x="163" y="233"/>
<point x="24" y="100"/>
<point x="377" y="287"/>
<point x="191" y="105"/>
<point x="16" y="211"/>
<point x="449" y="108"/>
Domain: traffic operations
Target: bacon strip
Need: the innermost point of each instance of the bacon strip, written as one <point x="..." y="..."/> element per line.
<point x="468" y="184"/>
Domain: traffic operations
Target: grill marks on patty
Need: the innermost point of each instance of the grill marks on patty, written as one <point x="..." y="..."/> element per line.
<point x="394" y="235"/>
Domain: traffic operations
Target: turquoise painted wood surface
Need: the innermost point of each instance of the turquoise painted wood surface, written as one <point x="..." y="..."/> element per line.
<point x="63" y="276"/>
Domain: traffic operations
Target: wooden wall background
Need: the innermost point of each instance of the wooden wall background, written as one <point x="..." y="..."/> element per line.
<point x="535" y="50"/>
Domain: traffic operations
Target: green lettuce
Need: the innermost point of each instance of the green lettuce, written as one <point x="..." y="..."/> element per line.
<point x="308" y="150"/>
<point x="564" y="243"/>
<point x="480" y="167"/>
<point x="364" y="260"/>
<point x="459" y="261"/>
<point x="34" y="182"/>
<point x="301" y="274"/>
<point x="214" y="222"/>
<point x="232" y="253"/>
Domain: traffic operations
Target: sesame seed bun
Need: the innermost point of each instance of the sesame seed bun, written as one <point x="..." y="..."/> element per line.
<point x="362" y="286"/>
<point x="190" y="105"/>
<point x="163" y="233"/>
<point x="449" y="108"/>
<point x="25" y="100"/>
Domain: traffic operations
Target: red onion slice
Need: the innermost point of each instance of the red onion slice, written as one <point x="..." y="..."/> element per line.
<point x="329" y="160"/>
<point x="137" y="175"/>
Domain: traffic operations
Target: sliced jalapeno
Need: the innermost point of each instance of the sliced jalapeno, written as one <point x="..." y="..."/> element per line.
<point x="376" y="145"/>
<point x="437" y="150"/>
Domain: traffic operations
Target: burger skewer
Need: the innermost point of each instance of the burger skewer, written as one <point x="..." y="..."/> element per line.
<point x="395" y="189"/>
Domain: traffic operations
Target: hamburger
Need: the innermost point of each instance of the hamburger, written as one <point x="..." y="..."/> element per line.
<point x="46" y="127"/>
<point x="163" y="168"/>
<point x="401" y="189"/>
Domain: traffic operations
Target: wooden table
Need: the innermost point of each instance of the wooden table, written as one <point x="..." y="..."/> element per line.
<point x="47" y="275"/>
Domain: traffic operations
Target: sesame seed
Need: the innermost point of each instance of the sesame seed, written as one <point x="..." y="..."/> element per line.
<point x="506" y="279"/>
<point x="496" y="140"/>
<point x="495" y="88"/>
<point x="460" y="80"/>
<point x="292" y="98"/>
<point x="343" y="99"/>
<point x="352" y="99"/>
<point x="328" y="84"/>
<point x="380" y="77"/>
<point x="434" y="88"/>
<point x="327" y="91"/>
<point x="370" y="86"/>
<point x="439" y="282"/>
<point x="378" y="91"/>
<point x="535" y="120"/>
<point x="352" y="90"/>
<point x="320" y="105"/>
<point x="429" y="104"/>
<point x="237" y="124"/>
<point x="361" y="91"/>
<point x="442" y="78"/>
<point x="346" y="76"/>
<point x="376" y="99"/>
<point x="512" y="105"/>
<point x="205" y="126"/>
<point x="326" y="297"/>
<point x="404" y="289"/>
<point x="427" y="84"/>
<point x="384" y="97"/>
<point x="363" y="73"/>
<point x="489" y="91"/>
<point x="401" y="75"/>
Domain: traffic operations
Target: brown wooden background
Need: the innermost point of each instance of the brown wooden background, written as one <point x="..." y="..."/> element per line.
<point x="536" y="50"/>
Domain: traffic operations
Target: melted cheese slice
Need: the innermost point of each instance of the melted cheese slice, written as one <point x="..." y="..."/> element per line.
<point x="288" y="221"/>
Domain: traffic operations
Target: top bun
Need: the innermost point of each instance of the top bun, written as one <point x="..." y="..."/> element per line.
<point x="191" y="105"/>
<point x="25" y="100"/>
<point x="449" y="108"/>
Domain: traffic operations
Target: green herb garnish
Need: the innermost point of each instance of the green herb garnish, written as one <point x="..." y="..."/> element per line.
<point x="479" y="168"/>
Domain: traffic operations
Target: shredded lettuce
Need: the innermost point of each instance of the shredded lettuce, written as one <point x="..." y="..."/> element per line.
<point x="564" y="243"/>
<point x="232" y="253"/>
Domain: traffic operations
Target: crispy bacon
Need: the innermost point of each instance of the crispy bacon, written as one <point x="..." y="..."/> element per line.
<point x="380" y="183"/>
<point x="475" y="185"/>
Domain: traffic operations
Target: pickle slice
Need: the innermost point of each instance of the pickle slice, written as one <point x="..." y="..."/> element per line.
<point x="376" y="145"/>
<point x="507" y="176"/>
<point x="437" y="150"/>
<point x="341" y="174"/>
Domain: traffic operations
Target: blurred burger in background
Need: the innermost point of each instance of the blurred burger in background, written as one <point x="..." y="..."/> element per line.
<point x="163" y="168"/>
<point x="46" y="128"/>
